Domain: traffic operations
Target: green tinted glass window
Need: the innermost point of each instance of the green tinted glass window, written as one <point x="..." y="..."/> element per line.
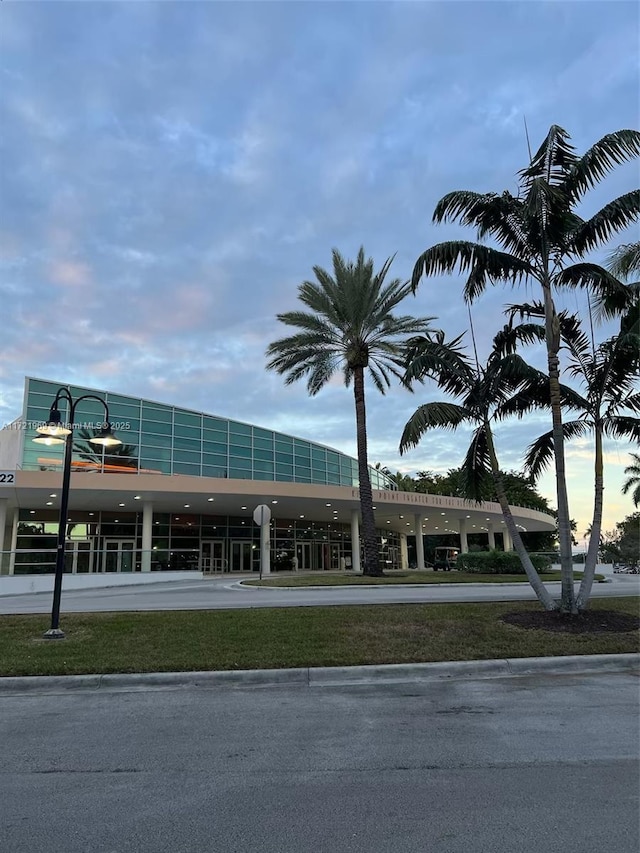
<point x="263" y="443"/>
<point x="303" y="474"/>
<point x="244" y="464"/>
<point x="263" y="454"/>
<point x="262" y="434"/>
<point x="185" y="468"/>
<point x="217" y="424"/>
<point x="214" y="447"/>
<point x="190" y="419"/>
<point x="187" y="432"/>
<point x="287" y="458"/>
<point x="156" y="427"/>
<point x="244" y="452"/>
<point x="156" y="413"/>
<point x="239" y="429"/>
<point x="214" y="458"/>
<point x="214" y="470"/>
<point x="239" y="440"/>
<point x="286" y="471"/>
<point x="258" y="465"/>
<point x="155" y="440"/>
<point x="186" y="456"/>
<point x="187" y="444"/>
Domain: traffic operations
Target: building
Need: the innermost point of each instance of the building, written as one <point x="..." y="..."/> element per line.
<point x="179" y="494"/>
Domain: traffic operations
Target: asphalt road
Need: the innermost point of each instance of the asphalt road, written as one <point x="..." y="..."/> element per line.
<point x="489" y="766"/>
<point x="225" y="593"/>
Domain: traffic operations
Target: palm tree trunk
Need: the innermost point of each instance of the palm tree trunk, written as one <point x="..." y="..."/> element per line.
<point x="371" y="563"/>
<point x="533" y="577"/>
<point x="584" y="593"/>
<point x="552" y="328"/>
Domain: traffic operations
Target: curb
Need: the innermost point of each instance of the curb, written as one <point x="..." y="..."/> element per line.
<point x="324" y="676"/>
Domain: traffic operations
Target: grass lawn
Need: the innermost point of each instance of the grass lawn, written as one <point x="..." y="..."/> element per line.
<point x="342" y="579"/>
<point x="290" y="637"/>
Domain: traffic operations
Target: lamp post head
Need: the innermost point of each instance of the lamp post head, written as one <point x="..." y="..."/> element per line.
<point x="54" y="431"/>
<point x="105" y="438"/>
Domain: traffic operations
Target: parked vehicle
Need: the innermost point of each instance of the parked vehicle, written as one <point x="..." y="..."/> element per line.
<point x="445" y="558"/>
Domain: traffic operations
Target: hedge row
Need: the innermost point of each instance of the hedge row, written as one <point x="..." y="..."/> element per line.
<point x="498" y="562"/>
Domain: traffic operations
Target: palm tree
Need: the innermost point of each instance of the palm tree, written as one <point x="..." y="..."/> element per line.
<point x="633" y="481"/>
<point x="350" y="326"/>
<point x="608" y="407"/>
<point x="504" y="385"/>
<point x="625" y="260"/>
<point x="541" y="238"/>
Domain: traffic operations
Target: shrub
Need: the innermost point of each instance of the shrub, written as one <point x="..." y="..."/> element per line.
<point x="498" y="563"/>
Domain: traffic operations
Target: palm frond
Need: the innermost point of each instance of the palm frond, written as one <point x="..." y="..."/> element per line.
<point x="610" y="151"/>
<point x="484" y="264"/>
<point x="475" y="471"/>
<point x="540" y="452"/>
<point x="612" y="218"/>
<point x="625" y="260"/>
<point x="431" y="416"/>
<point x="552" y="161"/>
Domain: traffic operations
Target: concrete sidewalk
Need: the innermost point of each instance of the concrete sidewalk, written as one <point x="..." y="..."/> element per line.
<point x="325" y="676"/>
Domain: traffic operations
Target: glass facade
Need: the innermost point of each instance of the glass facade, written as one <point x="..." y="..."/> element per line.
<point x="167" y="440"/>
<point x="111" y="541"/>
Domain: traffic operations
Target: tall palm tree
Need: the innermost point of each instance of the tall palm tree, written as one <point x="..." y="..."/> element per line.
<point x="609" y="406"/>
<point x="351" y="327"/>
<point x="541" y="238"/>
<point x="504" y="385"/>
<point x="633" y="480"/>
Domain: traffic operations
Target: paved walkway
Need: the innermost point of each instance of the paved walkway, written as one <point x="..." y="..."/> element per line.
<point x="223" y="593"/>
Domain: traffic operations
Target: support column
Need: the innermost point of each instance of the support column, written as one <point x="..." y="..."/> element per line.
<point x="355" y="541"/>
<point x="3" y="523"/>
<point x="506" y="538"/>
<point x="462" y="528"/>
<point x="417" y="520"/>
<point x="14" y="540"/>
<point x="492" y="536"/>
<point x="147" y="527"/>
<point x="265" y="549"/>
<point x="404" y="554"/>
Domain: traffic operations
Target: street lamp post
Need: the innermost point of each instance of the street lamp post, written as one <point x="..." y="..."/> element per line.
<point x="56" y="432"/>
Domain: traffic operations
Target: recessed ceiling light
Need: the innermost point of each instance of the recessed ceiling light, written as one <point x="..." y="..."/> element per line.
<point x="468" y="516"/>
<point x="49" y="503"/>
<point x="92" y="513"/>
<point x="443" y="513"/>
<point x="243" y="507"/>
<point x="388" y="522"/>
<point x="407" y="523"/>
<point x="53" y="496"/>
<point x="274" y="502"/>
<point x="186" y="506"/>
<point x="374" y="507"/>
<point x="120" y="504"/>
<point x="116" y="520"/>
<point x="31" y="511"/>
<point x="209" y="499"/>
<point x="401" y="516"/>
<point x="327" y="504"/>
<point x="136" y="497"/>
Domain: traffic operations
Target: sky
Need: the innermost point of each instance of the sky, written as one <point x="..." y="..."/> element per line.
<point x="170" y="173"/>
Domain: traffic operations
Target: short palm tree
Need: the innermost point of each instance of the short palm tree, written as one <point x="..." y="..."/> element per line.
<point x="609" y="406"/>
<point x="633" y="480"/>
<point x="350" y="326"/>
<point x="541" y="238"/>
<point x="504" y="385"/>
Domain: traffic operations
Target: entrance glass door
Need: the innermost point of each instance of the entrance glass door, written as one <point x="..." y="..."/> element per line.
<point x="241" y="556"/>
<point x="303" y="553"/>
<point x="77" y="557"/>
<point x="212" y="556"/>
<point x="118" y="555"/>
